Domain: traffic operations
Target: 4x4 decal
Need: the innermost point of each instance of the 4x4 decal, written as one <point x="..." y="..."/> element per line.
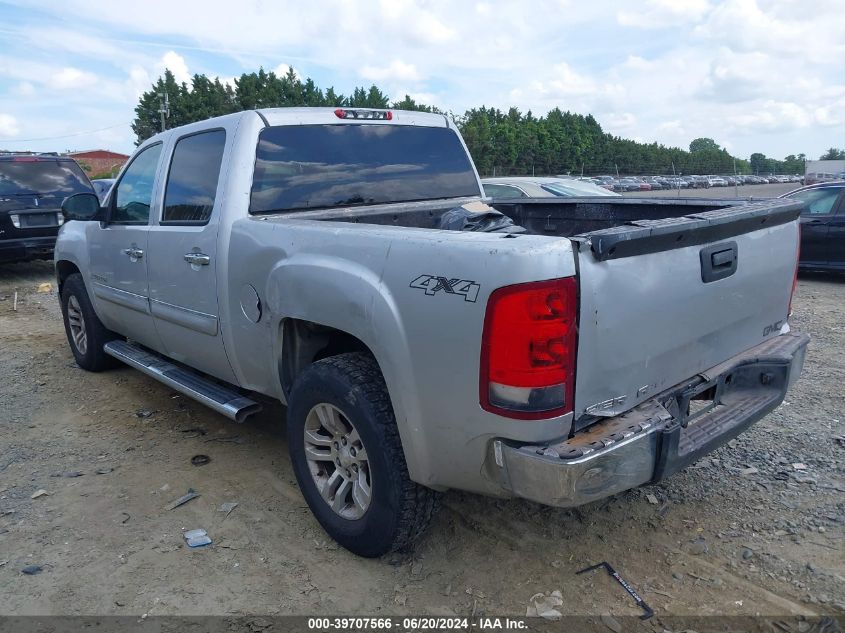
<point x="432" y="284"/>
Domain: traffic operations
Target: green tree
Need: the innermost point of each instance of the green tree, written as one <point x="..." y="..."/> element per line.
<point x="500" y="142"/>
<point x="833" y="154"/>
<point x="758" y="162"/>
<point x="147" y="116"/>
<point x="703" y="145"/>
<point x="409" y="104"/>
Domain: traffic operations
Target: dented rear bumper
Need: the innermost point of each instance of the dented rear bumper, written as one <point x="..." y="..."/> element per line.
<point x="658" y="437"/>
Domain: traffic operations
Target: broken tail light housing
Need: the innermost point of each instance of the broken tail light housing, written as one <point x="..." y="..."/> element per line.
<point x="528" y="350"/>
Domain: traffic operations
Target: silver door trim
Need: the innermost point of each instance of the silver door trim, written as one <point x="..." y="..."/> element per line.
<point x="191" y="319"/>
<point x="122" y="298"/>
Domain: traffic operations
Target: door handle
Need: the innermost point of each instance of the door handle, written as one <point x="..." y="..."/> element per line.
<point x="133" y="252"/>
<point x="197" y="259"/>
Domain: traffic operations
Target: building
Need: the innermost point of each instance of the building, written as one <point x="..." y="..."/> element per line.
<point x="97" y="162"/>
<point x="823" y="171"/>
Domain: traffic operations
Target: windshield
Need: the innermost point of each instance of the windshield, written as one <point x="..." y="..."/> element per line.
<point x="579" y="190"/>
<point x="323" y="166"/>
<point x="46" y="177"/>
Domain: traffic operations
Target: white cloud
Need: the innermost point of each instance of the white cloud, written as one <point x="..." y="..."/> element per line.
<point x="176" y="64"/>
<point x="829" y="115"/>
<point x="24" y="89"/>
<point x="397" y="70"/>
<point x="9" y="125"/>
<point x="621" y="122"/>
<point x="812" y="35"/>
<point x="138" y="81"/>
<point x="71" y="79"/>
<point x="427" y="29"/>
<point x="563" y="81"/>
<point x="282" y="69"/>
<point x="663" y="13"/>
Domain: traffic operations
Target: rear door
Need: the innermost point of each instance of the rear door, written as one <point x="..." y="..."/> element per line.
<point x="662" y="300"/>
<point x="184" y="255"/>
<point x="820" y="206"/>
<point x="836" y="235"/>
<point x="118" y="251"/>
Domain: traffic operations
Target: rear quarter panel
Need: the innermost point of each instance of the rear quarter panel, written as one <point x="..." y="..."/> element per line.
<point x="358" y="279"/>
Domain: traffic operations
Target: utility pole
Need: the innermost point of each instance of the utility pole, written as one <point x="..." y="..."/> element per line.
<point x="736" y="184"/>
<point x="164" y="108"/>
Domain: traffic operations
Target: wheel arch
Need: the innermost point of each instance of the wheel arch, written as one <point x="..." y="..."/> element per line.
<point x="306" y="342"/>
<point x="64" y="269"/>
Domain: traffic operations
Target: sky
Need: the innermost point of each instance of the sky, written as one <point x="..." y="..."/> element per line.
<point x="755" y="75"/>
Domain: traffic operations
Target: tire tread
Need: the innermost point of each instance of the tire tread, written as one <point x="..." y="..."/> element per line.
<point x="418" y="504"/>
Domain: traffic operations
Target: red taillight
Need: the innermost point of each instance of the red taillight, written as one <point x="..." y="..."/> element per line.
<point x="25" y="159"/>
<point x="795" y="275"/>
<point x="528" y="349"/>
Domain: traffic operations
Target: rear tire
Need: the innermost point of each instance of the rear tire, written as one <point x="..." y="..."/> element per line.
<point x="351" y="467"/>
<point x="86" y="334"/>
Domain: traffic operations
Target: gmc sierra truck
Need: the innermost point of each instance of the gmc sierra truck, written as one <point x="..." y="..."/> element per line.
<point x="298" y="254"/>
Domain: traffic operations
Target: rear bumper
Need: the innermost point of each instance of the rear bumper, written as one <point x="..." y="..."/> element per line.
<point x="27" y="248"/>
<point x="657" y="438"/>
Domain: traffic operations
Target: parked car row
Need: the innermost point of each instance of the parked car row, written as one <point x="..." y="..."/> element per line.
<point x="656" y="183"/>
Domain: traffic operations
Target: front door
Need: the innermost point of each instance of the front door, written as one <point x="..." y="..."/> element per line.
<point x="836" y="235"/>
<point x="118" y="252"/>
<point x="183" y="257"/>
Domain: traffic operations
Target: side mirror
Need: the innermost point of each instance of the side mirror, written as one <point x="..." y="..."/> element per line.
<point x="81" y="206"/>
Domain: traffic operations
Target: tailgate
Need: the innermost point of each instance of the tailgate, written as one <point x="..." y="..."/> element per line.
<point x="662" y="300"/>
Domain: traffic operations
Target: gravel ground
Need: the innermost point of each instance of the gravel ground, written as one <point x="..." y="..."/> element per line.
<point x="744" y="531"/>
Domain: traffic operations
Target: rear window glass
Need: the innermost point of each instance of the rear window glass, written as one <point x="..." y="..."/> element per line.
<point x="322" y="166"/>
<point x="192" y="183"/>
<point x="47" y="177"/>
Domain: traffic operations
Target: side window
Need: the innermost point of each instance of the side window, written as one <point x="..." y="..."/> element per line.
<point x="192" y="182"/>
<point x="818" y="201"/>
<point x="134" y="193"/>
<point x="503" y="192"/>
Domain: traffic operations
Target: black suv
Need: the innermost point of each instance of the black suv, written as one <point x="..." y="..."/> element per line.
<point x="32" y="188"/>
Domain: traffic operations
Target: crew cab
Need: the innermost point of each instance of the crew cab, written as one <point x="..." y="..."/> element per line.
<point x="299" y="254"/>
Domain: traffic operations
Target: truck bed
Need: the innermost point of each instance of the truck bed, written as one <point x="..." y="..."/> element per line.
<point x="645" y="266"/>
<point x="560" y="217"/>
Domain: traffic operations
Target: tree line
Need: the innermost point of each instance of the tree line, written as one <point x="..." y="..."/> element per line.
<point x="501" y="143"/>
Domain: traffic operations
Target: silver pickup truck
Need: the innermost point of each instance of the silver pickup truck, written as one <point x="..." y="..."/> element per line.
<point x="299" y="254"/>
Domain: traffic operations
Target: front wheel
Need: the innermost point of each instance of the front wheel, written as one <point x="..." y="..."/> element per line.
<point x="348" y="458"/>
<point x="86" y="334"/>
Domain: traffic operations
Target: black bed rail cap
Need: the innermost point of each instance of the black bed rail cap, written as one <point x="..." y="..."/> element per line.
<point x="652" y="236"/>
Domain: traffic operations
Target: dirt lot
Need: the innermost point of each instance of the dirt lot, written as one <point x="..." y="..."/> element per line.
<point x="745" y="531"/>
